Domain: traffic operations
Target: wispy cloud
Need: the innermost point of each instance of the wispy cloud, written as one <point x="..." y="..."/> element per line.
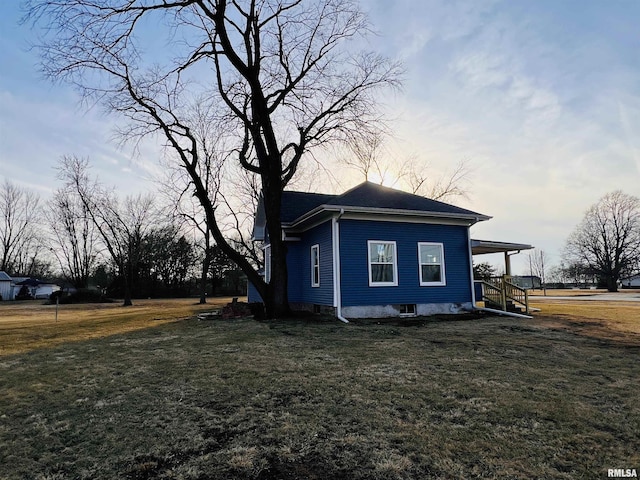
<point x="540" y="97"/>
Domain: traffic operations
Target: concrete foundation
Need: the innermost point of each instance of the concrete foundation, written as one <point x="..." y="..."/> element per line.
<point x="422" y="309"/>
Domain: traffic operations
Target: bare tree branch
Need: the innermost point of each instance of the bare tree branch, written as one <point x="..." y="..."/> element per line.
<point x="279" y="72"/>
<point x="19" y="217"/>
<point x="607" y="240"/>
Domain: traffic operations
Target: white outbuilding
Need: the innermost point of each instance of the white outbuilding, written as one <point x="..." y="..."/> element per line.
<point x="6" y="288"/>
<point x="631" y="282"/>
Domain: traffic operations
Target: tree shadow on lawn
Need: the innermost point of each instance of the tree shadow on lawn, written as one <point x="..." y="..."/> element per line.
<point x="444" y="397"/>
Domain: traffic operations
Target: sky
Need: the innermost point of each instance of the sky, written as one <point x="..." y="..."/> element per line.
<point x="540" y="99"/>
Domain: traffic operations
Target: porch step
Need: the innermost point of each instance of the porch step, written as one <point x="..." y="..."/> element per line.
<point x="511" y="307"/>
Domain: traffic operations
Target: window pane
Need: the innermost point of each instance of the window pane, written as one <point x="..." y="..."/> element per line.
<point x="431" y="273"/>
<point x="430" y="254"/>
<point x="382" y="273"/>
<point x="315" y="265"/>
<point x="381" y="252"/>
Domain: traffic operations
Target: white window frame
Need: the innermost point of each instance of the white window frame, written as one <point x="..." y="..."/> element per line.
<point x="394" y="283"/>
<point x="410" y="310"/>
<point x="443" y="278"/>
<point x="315" y="265"/>
<point x="267" y="263"/>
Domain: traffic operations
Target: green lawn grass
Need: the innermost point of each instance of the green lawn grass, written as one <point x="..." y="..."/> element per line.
<point x="470" y="398"/>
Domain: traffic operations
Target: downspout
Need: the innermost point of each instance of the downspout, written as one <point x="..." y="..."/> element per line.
<point x="337" y="294"/>
<point x="473" y="284"/>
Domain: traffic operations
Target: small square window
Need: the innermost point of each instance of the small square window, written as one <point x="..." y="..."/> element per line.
<point x="408" y="310"/>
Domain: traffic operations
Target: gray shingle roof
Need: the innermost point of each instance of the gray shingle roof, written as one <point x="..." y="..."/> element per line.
<point x="4" y="276"/>
<point x="296" y="204"/>
<point x="366" y="195"/>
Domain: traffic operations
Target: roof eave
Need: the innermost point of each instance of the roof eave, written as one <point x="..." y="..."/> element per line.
<point x="484" y="247"/>
<point x="472" y="218"/>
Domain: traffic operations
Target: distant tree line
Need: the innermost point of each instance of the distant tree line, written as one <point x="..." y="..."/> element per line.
<point x="86" y="237"/>
<point x="602" y="250"/>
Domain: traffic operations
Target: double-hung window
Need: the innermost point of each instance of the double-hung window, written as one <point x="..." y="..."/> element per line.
<point x="383" y="263"/>
<point x="315" y="266"/>
<point x="431" y="259"/>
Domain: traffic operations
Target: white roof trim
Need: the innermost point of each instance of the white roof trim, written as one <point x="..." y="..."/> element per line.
<point x="482" y="247"/>
<point x="470" y="218"/>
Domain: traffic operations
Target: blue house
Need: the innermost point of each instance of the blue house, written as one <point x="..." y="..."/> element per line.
<point x="374" y="252"/>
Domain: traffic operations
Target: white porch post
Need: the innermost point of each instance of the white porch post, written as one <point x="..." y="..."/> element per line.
<point x="507" y="264"/>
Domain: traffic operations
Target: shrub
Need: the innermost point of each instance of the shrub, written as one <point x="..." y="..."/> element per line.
<point x="81" y="296"/>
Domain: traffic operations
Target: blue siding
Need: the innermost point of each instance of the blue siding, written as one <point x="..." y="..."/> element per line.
<point x="252" y="294"/>
<point x="294" y="270"/>
<point x="355" y="287"/>
<point x="299" y="267"/>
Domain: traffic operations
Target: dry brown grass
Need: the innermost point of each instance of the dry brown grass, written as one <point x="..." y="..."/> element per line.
<point x="598" y="318"/>
<point x="30" y="325"/>
<point x="439" y="398"/>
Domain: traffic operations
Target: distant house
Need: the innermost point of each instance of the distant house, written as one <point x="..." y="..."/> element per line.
<point x="376" y="252"/>
<point x="44" y="290"/>
<point x="5" y="286"/>
<point x="631" y="282"/>
<point x="35" y="288"/>
<point x="527" y="281"/>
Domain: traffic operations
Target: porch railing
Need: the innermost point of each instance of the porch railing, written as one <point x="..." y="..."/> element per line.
<point x="502" y="293"/>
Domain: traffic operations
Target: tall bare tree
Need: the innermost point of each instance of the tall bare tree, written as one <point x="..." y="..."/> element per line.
<point x="122" y="225"/>
<point x="19" y="222"/>
<point x="177" y="184"/>
<point x="278" y="73"/>
<point x="368" y="155"/>
<point x="445" y="186"/>
<point x="538" y="265"/>
<point x="607" y="241"/>
<point x="74" y="238"/>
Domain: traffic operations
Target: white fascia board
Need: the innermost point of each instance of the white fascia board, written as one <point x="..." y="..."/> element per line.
<point x="484" y="247"/>
<point x="390" y="215"/>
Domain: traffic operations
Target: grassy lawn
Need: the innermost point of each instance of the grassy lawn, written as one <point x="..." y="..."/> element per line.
<point x="28" y="325"/>
<point x="600" y="318"/>
<point x="238" y="399"/>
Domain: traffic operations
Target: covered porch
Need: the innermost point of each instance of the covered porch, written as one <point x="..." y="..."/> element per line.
<point x="501" y="293"/>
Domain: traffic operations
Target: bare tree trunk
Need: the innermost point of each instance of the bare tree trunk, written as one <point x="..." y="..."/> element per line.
<point x="206" y="261"/>
<point x="127" y="302"/>
<point x="283" y="83"/>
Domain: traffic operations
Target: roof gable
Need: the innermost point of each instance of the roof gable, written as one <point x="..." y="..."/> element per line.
<point x="4" y="277"/>
<point x="372" y="195"/>
<point x="368" y="197"/>
<point x="296" y="204"/>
